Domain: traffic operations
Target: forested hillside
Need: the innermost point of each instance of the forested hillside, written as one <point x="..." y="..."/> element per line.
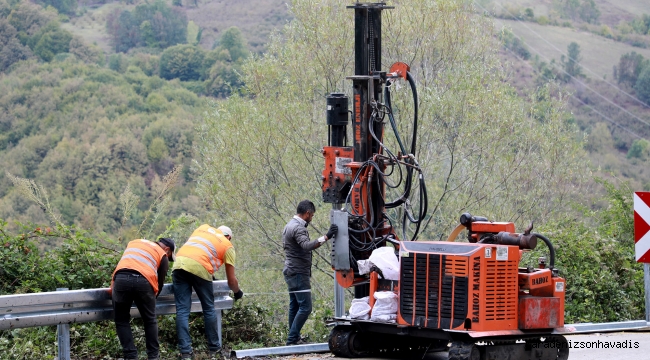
<point x="86" y="125"/>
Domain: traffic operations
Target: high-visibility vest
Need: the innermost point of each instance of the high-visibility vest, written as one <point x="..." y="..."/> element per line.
<point x="143" y="256"/>
<point x="207" y="246"/>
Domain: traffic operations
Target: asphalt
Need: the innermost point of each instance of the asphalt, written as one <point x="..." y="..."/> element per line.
<point x="597" y="346"/>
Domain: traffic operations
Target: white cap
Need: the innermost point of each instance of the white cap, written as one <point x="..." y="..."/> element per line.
<point x="225" y="230"/>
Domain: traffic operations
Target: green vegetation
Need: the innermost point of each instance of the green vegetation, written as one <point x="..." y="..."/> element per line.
<point x="571" y="64"/>
<point x="85" y="133"/>
<point x="585" y="10"/>
<point x="514" y="44"/>
<point x="155" y="25"/>
<point x="596" y="256"/>
<point x="629" y="68"/>
<point x="63" y="6"/>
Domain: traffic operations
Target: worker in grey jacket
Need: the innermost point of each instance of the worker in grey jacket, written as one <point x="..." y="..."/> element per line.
<point x="297" y="266"/>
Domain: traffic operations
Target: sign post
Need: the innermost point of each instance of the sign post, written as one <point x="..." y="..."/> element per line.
<point x="642" y="241"/>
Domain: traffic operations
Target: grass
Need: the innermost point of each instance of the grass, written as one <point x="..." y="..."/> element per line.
<point x="599" y="54"/>
<point x="91" y="25"/>
<point x="255" y="18"/>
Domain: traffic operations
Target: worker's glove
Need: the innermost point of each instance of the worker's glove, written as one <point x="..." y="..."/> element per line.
<point x="239" y="294"/>
<point x="332" y="231"/>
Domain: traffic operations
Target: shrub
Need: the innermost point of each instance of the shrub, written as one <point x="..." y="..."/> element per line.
<point x="639" y="149"/>
<point x="182" y="61"/>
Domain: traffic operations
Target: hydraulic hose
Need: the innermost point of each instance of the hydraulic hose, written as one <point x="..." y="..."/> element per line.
<point x="551" y="249"/>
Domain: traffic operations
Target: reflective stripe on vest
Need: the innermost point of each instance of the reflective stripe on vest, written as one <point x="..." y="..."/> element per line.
<point x="207" y="246"/>
<point x="201" y="243"/>
<point x="148" y="259"/>
<point x="143" y="256"/>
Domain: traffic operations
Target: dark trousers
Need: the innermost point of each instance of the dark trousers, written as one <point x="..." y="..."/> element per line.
<point x="299" y="304"/>
<point x="127" y="289"/>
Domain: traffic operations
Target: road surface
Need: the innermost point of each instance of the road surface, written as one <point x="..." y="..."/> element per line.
<point x="583" y="347"/>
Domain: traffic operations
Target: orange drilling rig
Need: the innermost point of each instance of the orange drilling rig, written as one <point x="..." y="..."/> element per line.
<point x="470" y="298"/>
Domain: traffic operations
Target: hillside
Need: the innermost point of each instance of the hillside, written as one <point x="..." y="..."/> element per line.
<point x="255" y="18"/>
<point x="605" y="107"/>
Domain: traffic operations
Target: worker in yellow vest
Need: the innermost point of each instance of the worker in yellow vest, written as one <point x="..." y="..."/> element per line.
<point x="198" y="261"/>
<point x="139" y="278"/>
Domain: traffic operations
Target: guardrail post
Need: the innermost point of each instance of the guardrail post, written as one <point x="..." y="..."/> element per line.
<point x="63" y="337"/>
<point x="219" y="312"/>
<point x="646" y="280"/>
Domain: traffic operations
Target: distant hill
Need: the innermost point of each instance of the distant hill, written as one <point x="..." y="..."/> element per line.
<point x="608" y="113"/>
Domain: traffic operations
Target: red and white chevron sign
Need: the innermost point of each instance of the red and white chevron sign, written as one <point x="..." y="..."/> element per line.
<point x="641" y="226"/>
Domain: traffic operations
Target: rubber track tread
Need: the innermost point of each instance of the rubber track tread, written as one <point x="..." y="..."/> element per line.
<point x="463" y="351"/>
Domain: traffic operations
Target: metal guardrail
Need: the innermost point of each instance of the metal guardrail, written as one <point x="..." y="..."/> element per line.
<point x="65" y="307"/>
<point x="282" y="350"/>
<point x="587" y="328"/>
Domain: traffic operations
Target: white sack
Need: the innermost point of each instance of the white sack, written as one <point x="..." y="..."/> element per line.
<point x="385" y="304"/>
<point x="384" y="258"/>
<point x="364" y="266"/>
<point x="386" y="318"/>
<point x="360" y="309"/>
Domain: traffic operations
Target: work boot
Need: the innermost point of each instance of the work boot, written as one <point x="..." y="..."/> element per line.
<point x="299" y="342"/>
<point x="187" y="356"/>
<point x="213" y="355"/>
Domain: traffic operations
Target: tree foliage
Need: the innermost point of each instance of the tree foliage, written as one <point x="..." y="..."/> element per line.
<point x="154" y="25"/>
<point x="85" y="133"/>
<point x="63" y="6"/>
<point x="183" y="62"/>
<point x="596" y="256"/>
<point x="585" y="10"/>
<point x="514" y="44"/>
<point x="571" y="63"/>
<point x="642" y="86"/>
<point x="50" y="40"/>
<point x="629" y="68"/>
<point x="484" y="150"/>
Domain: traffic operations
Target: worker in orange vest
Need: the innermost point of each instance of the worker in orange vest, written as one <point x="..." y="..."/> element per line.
<point x="198" y="261"/>
<point x="139" y="278"/>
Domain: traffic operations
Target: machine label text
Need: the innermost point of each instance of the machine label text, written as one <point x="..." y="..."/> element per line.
<point x="540" y="281"/>
<point x="476" y="287"/>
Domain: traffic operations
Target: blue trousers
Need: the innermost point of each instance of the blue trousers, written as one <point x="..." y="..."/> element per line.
<point x="299" y="304"/>
<point x="184" y="282"/>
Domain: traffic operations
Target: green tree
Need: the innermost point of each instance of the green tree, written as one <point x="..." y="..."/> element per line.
<point x="639" y="149"/>
<point x="182" y="61"/>
<point x="589" y="12"/>
<point x="571" y="63"/>
<point x="642" y="86"/>
<point x="147" y="34"/>
<point x="585" y="10"/>
<point x="63" y="6"/>
<point x="514" y="44"/>
<point x="151" y="24"/>
<point x="629" y="68"/>
<point x="466" y="109"/>
<point x="29" y="18"/>
<point x="51" y="40"/>
<point x="233" y="41"/>
<point x="193" y="33"/>
<point x="12" y="52"/>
